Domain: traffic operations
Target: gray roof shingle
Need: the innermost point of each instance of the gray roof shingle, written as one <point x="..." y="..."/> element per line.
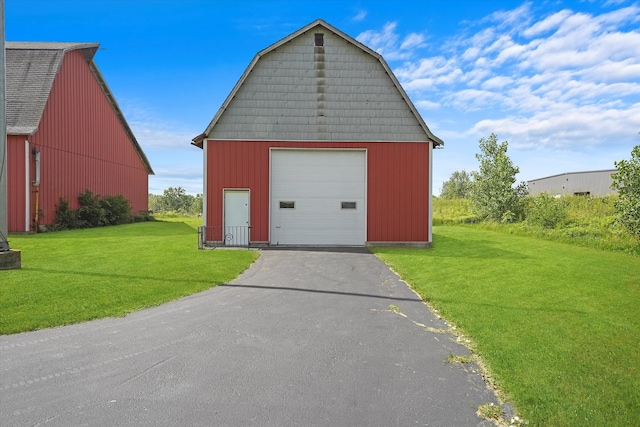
<point x="31" y="69"/>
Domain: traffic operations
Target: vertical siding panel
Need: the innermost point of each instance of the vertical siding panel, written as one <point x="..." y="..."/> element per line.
<point x="83" y="145"/>
<point x="398" y="202"/>
<point x="389" y="224"/>
<point x="376" y="189"/>
<point x="420" y="201"/>
<point x="410" y="179"/>
<point x="262" y="166"/>
<point x="16" y="187"/>
<point x="416" y="200"/>
<point x="397" y="185"/>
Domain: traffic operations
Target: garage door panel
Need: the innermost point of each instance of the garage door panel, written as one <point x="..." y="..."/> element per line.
<point x="324" y="191"/>
<point x="318" y="182"/>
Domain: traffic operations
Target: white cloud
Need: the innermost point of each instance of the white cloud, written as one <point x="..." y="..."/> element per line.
<point x="153" y="132"/>
<point x="609" y="71"/>
<point x="413" y="40"/>
<point x="383" y="41"/>
<point x="189" y="178"/>
<point x="427" y="72"/>
<point x="474" y="99"/>
<point x="512" y="18"/>
<point x="160" y="182"/>
<point x="159" y="135"/>
<point x="387" y="42"/>
<point x="476" y="76"/>
<point x="427" y="105"/>
<point x="471" y="53"/>
<point x="550" y="23"/>
<point x="564" y="79"/>
<point x="360" y="15"/>
<point x="583" y="40"/>
<point x="588" y="125"/>
<point x="629" y="14"/>
<point x="175" y="162"/>
<point x="497" y="82"/>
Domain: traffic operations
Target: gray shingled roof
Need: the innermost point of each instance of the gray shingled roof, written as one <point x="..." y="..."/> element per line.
<point x="197" y="141"/>
<point x="31" y="68"/>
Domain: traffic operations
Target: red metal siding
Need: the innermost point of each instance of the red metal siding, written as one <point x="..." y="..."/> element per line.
<point x="16" y="183"/>
<point x="397" y="185"/>
<point x="83" y="145"/>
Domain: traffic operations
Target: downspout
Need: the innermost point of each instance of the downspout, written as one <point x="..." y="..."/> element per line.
<point x="204" y="183"/>
<point x="27" y="185"/>
<point x="36" y="184"/>
<point x="430" y="193"/>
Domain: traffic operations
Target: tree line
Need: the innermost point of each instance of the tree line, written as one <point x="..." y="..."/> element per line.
<point x="176" y="200"/>
<point x="495" y="195"/>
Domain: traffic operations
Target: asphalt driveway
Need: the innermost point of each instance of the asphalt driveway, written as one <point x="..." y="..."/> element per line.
<point x="304" y="337"/>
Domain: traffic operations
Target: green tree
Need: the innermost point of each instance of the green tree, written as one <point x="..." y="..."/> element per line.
<point x="627" y="182"/>
<point x="196" y="206"/>
<point x="155" y="202"/>
<point x="493" y="195"/>
<point x="457" y="187"/>
<point x="176" y="200"/>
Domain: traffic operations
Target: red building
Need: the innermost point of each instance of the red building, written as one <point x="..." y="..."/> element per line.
<point x="65" y="134"/>
<point x="318" y="144"/>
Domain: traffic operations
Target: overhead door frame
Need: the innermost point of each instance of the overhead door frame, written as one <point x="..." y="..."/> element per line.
<point x="272" y="150"/>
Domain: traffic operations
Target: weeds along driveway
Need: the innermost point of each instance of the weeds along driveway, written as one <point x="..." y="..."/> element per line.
<point x="303" y="337"/>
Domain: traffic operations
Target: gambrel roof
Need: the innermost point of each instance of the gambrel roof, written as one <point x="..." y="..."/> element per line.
<point x="299" y="89"/>
<point x="31" y="68"/>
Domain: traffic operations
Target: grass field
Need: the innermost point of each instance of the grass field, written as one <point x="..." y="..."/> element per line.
<point x="557" y="325"/>
<point x="74" y="276"/>
<point x="589" y="222"/>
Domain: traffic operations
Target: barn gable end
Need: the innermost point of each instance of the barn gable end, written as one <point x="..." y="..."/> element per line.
<point x="65" y="134"/>
<point x="317" y="144"/>
<point x="340" y="91"/>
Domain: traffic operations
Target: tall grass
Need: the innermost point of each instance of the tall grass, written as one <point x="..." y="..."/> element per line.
<point x="588" y="221"/>
<point x="452" y="211"/>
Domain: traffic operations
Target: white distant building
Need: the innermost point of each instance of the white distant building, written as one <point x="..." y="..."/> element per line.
<point x="590" y="183"/>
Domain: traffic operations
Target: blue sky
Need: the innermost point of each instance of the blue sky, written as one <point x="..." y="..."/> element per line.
<point x="558" y="79"/>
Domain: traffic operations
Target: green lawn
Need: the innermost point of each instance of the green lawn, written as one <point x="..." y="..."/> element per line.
<point x="74" y="276"/>
<point x="557" y="325"/>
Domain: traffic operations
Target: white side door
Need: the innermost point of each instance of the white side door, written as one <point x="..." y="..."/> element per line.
<point x="236" y="217"/>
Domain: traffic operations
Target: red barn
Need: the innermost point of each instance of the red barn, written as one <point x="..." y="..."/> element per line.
<point x="65" y="134"/>
<point x="318" y="144"/>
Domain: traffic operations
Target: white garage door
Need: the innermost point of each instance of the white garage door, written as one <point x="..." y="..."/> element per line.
<point x="318" y="197"/>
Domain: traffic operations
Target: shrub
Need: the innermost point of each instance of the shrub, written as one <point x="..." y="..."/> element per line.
<point x="143" y="216"/>
<point x="117" y="209"/>
<point x="96" y="211"/>
<point x="66" y="218"/>
<point x="91" y="213"/>
<point x="546" y="211"/>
